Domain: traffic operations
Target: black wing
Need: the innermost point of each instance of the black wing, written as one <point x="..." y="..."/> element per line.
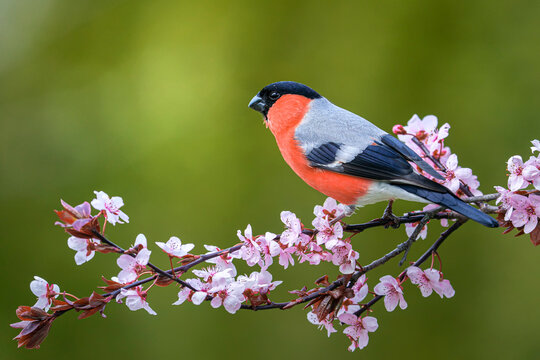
<point x="377" y="162"/>
<point x="410" y="155"/>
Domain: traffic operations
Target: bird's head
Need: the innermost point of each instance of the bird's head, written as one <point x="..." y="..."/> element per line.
<point x="272" y="94"/>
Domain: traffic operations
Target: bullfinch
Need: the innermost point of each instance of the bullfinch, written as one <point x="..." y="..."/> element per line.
<point x="345" y="156"/>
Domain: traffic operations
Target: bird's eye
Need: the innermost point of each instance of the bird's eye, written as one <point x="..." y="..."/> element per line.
<point x="274" y="95"/>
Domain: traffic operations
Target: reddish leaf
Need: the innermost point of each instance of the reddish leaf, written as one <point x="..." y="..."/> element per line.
<point x="35" y="326"/>
<point x="111" y="285"/>
<point x="164" y="280"/>
<point x="31" y="313"/>
<point x="323" y="280"/>
<point x="535" y="235"/>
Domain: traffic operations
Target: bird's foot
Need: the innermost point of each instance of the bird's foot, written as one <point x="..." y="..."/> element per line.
<point x="388" y="215"/>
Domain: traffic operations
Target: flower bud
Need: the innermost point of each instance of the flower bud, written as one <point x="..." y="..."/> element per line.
<point x="399" y="130"/>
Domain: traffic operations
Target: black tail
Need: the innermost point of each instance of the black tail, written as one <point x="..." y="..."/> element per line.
<point x="452" y="202"/>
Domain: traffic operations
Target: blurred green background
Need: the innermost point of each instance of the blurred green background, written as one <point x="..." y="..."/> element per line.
<point x="148" y="100"/>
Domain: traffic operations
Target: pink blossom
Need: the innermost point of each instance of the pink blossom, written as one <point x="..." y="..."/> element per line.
<point x="223" y="261"/>
<point x="111" y="207"/>
<point x="285" y="256"/>
<point x="473" y="184"/>
<point x="358" y="330"/>
<point x="526" y="211"/>
<point x="208" y="273"/>
<point x="198" y="296"/>
<point x="85" y="249"/>
<point x="174" y="247"/>
<point x="429" y="280"/>
<point x="348" y="308"/>
<point x="183" y="295"/>
<point x="135" y="299"/>
<point x="536" y="146"/>
<point x="140" y="240"/>
<point x="251" y="251"/>
<point x="44" y="291"/>
<point x="446" y="289"/>
<point x="225" y="291"/>
<point x="345" y="257"/>
<point x="410" y="227"/>
<point x="293" y="235"/>
<point x="217" y="278"/>
<point x="75" y="217"/>
<point x="132" y="266"/>
<point x="314" y="254"/>
<point x="392" y="292"/>
<point x="531" y="171"/>
<point x="231" y="298"/>
<point x="269" y="249"/>
<point x="440" y="152"/>
<point x="456" y="174"/>
<point x="330" y="209"/>
<point x="443" y="131"/>
<point x="435" y="144"/>
<point x="420" y="128"/>
<point x="425" y="130"/>
<point x="515" y="168"/>
<point x="360" y="289"/>
<point x="260" y="282"/>
<point x="505" y="197"/>
<point x="328" y="234"/>
<point x="218" y="271"/>
<point x="328" y="325"/>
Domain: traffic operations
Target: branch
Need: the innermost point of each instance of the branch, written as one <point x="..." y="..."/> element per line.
<point x="408" y="218"/>
<point x="404" y="246"/>
<point x="376" y="263"/>
<point x="418" y="216"/>
<point x="150" y="265"/>
<point x="418" y="262"/>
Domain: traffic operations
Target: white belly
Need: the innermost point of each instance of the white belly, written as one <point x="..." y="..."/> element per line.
<point x="380" y="191"/>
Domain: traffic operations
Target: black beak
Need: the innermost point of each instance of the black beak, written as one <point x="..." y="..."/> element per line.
<point x="258" y="104"/>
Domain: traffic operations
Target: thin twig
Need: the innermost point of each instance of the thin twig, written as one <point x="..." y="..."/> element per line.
<point x="376" y="263"/>
<point x="418" y="262"/>
<point x="414" y="236"/>
<point x="150" y="265"/>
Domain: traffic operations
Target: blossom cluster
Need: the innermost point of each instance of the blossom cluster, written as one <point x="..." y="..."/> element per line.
<point x="218" y="282"/>
<point x="520" y="204"/>
<point x="219" y="285"/>
<point x="328" y="244"/>
<point x="346" y="309"/>
<point x="439" y="156"/>
<point x="427" y="140"/>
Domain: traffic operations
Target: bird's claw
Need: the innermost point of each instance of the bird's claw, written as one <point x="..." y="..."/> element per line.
<point x="388" y="215"/>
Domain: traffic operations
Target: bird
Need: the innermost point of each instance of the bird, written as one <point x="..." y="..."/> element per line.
<point x="346" y="157"/>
